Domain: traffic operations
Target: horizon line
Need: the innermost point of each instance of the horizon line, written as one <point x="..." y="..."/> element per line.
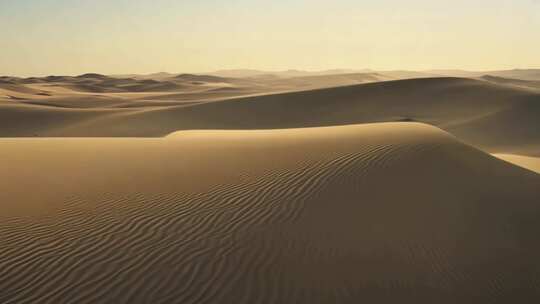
<point x="351" y="70"/>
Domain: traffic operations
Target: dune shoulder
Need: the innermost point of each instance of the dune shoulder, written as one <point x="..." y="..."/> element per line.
<point x="529" y="162"/>
<point x="386" y="213"/>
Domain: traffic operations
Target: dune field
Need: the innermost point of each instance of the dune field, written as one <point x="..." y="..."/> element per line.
<point x="245" y="187"/>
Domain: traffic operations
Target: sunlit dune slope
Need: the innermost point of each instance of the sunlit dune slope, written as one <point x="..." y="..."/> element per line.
<point x="495" y="118"/>
<point x="531" y="163"/>
<point x="376" y="213"/>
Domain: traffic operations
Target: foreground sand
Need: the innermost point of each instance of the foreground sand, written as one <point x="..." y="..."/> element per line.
<point x="375" y="213"/>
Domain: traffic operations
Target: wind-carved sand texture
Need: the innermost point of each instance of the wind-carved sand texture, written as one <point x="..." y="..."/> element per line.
<point x="377" y="213"/>
<point x="270" y="188"/>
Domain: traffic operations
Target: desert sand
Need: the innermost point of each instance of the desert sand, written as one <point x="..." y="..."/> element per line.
<point x="531" y="163"/>
<point x="345" y="188"/>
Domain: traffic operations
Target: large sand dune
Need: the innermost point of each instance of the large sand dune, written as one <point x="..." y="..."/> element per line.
<point x="269" y="189"/>
<point x="161" y="86"/>
<point x="531" y="163"/>
<point x="496" y="118"/>
<point x="375" y="213"/>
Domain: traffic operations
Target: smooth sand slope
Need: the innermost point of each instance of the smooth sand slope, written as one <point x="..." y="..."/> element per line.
<point x="513" y="82"/>
<point x="496" y="118"/>
<point x="375" y="213"/>
<point x="160" y="89"/>
<point x="531" y="163"/>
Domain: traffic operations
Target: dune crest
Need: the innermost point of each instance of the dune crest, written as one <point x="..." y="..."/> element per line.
<point x="381" y="213"/>
<point x="531" y="163"/>
<point x="495" y="118"/>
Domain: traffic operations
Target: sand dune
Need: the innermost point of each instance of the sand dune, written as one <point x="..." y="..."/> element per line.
<point x="248" y="73"/>
<point x="202" y="78"/>
<point x="323" y="81"/>
<point x="514" y="82"/>
<point x="143" y="91"/>
<point x="531" y="163"/>
<point x="377" y="213"/>
<point x="496" y="118"/>
<point x="36" y="120"/>
<point x="205" y="189"/>
<point x="519" y="74"/>
<point x="523" y="74"/>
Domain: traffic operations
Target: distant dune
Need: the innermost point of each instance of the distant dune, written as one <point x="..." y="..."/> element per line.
<point x="202" y="78"/>
<point x="242" y="73"/>
<point x="323" y="81"/>
<point x="163" y="86"/>
<point x="92" y="76"/>
<point x="513" y="82"/>
<point x="375" y="213"/>
<point x="524" y="74"/>
<point x="497" y="118"/>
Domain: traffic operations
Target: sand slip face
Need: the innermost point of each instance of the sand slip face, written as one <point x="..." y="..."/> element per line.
<point x="531" y="163"/>
<point x="492" y="117"/>
<point x="377" y="213"/>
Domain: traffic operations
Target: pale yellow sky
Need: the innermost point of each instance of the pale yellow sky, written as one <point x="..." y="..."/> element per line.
<point x="42" y="37"/>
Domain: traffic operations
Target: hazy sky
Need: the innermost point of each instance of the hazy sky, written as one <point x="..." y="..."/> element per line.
<point x="39" y="37"/>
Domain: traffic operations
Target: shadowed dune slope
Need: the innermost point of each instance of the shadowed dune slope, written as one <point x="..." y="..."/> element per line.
<point x="531" y="163"/>
<point x="495" y="118"/>
<point x="533" y="84"/>
<point x="27" y="120"/>
<point x="375" y="213"/>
